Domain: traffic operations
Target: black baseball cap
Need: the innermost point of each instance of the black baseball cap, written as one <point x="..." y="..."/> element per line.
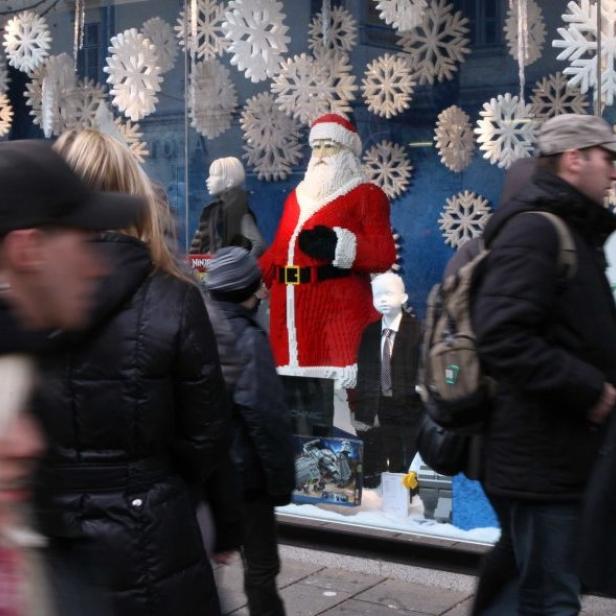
<point x="38" y="188"/>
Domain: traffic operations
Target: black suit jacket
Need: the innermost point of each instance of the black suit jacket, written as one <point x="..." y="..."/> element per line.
<point x="404" y="405"/>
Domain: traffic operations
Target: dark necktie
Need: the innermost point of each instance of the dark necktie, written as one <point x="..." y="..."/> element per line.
<point x="386" y="389"/>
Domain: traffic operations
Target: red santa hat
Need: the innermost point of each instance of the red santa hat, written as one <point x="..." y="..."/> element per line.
<point x="335" y="127"/>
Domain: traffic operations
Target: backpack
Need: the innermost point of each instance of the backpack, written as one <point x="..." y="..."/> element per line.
<point x="456" y="392"/>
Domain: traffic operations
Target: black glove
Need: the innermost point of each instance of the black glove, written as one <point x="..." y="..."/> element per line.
<point x="319" y="242"/>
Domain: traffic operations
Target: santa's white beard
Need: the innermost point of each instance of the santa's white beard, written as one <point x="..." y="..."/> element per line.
<point x="328" y="175"/>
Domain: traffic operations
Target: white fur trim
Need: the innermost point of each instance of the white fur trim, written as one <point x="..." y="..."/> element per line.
<point x="344" y="376"/>
<point x="309" y="206"/>
<point x="346" y="248"/>
<point x="335" y="132"/>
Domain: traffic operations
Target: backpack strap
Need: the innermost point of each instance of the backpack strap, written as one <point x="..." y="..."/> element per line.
<point x="567" y="254"/>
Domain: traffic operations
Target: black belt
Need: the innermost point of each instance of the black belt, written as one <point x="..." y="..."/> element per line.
<point x="294" y="274"/>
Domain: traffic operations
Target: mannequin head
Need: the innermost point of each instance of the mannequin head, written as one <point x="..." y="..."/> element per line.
<point x="225" y="173"/>
<point x="388" y="294"/>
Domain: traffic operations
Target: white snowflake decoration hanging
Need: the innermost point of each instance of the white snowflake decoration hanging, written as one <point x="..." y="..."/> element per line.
<point x="258" y="36"/>
<point x="338" y="86"/>
<point x="505" y="130"/>
<point x="342" y="31"/>
<point x="212" y="98"/>
<point x="134" y="74"/>
<point x="536" y="31"/>
<point x="133" y="136"/>
<point x="553" y="96"/>
<point x="387" y="165"/>
<point x="579" y="46"/>
<point x="454" y="138"/>
<point x="6" y="115"/>
<point x="26" y="41"/>
<point x="210" y="40"/>
<point x="160" y="34"/>
<point x="438" y="44"/>
<point x="4" y="74"/>
<point x="79" y="105"/>
<point x="272" y="138"/>
<point x="401" y="15"/>
<point x="388" y="85"/>
<point x="463" y="218"/>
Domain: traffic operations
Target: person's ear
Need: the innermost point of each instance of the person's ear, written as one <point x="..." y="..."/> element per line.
<point x="24" y="249"/>
<point x="572" y="161"/>
<point x="405" y="298"/>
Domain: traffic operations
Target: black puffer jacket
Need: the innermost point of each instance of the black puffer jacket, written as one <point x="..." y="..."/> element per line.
<point x="550" y="342"/>
<point x="134" y="410"/>
<point x="262" y="449"/>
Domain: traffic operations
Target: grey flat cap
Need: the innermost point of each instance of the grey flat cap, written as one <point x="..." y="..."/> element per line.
<point x="572" y="131"/>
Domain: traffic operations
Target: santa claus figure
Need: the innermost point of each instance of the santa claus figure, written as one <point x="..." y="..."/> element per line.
<point x="334" y="232"/>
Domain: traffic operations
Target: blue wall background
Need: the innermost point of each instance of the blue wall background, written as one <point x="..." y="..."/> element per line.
<point x="489" y="70"/>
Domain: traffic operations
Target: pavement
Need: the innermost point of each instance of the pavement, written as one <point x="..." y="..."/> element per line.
<point x="314" y="582"/>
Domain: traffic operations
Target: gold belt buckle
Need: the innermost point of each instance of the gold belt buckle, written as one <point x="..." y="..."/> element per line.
<point x="291" y="274"/>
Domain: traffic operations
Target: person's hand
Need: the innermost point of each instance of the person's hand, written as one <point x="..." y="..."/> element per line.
<point x="599" y="413"/>
<point x="223" y="558"/>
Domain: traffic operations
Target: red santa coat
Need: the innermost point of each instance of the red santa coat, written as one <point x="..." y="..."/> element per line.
<point x="316" y="326"/>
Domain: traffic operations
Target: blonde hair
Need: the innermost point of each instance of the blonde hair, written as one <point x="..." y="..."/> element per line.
<point x="106" y="164"/>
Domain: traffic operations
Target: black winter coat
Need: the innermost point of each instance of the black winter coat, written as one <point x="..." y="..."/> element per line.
<point x="262" y="448"/>
<point x="134" y="410"/>
<point x="550" y="342"/>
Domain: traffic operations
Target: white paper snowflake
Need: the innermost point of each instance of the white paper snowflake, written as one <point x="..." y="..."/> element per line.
<point x="438" y="44"/>
<point x="6" y="115"/>
<point x="338" y="86"/>
<point x="210" y="40"/>
<point x="272" y="138"/>
<point x="387" y="165"/>
<point x="505" y="131"/>
<point x="579" y="46"/>
<point x="26" y="41"/>
<point x="454" y="138"/>
<point x="553" y="96"/>
<point x="402" y="15"/>
<point x="5" y="79"/>
<point x="212" y="98"/>
<point x="258" y="36"/>
<point x="133" y="136"/>
<point x="536" y="31"/>
<point x="463" y="218"/>
<point x="160" y="34"/>
<point x="388" y="85"/>
<point x="79" y="105"/>
<point x="134" y="74"/>
<point x="342" y="31"/>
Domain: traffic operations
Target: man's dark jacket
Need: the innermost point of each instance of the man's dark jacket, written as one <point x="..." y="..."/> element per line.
<point x="134" y="411"/>
<point x="404" y="405"/>
<point x="549" y="342"/>
<point x="262" y="447"/>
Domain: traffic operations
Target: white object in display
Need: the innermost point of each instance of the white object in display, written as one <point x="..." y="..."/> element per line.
<point x="438" y="44"/>
<point x="505" y="130"/>
<point x="338" y="86"/>
<point x="395" y="496"/>
<point x="4" y="74"/>
<point x="272" y="145"/>
<point x="258" y="36"/>
<point x="133" y="136"/>
<point x="553" y="95"/>
<point x="79" y="104"/>
<point x="579" y="46"/>
<point x="402" y="15"/>
<point x="161" y="35"/>
<point x="26" y="41"/>
<point x="454" y="138"/>
<point x="210" y="40"/>
<point x="134" y="74"/>
<point x="463" y="218"/>
<point x="342" y="31"/>
<point x="387" y="165"/>
<point x="536" y="31"/>
<point x="6" y="115"/>
<point x="212" y="98"/>
<point x="388" y="85"/>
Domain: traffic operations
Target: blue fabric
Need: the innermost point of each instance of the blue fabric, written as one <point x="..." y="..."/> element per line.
<point x="470" y="506"/>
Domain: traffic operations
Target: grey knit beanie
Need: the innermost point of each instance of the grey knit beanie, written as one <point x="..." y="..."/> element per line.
<point x="232" y="275"/>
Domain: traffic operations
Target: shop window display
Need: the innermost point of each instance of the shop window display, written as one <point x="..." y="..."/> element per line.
<point x="426" y="104"/>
